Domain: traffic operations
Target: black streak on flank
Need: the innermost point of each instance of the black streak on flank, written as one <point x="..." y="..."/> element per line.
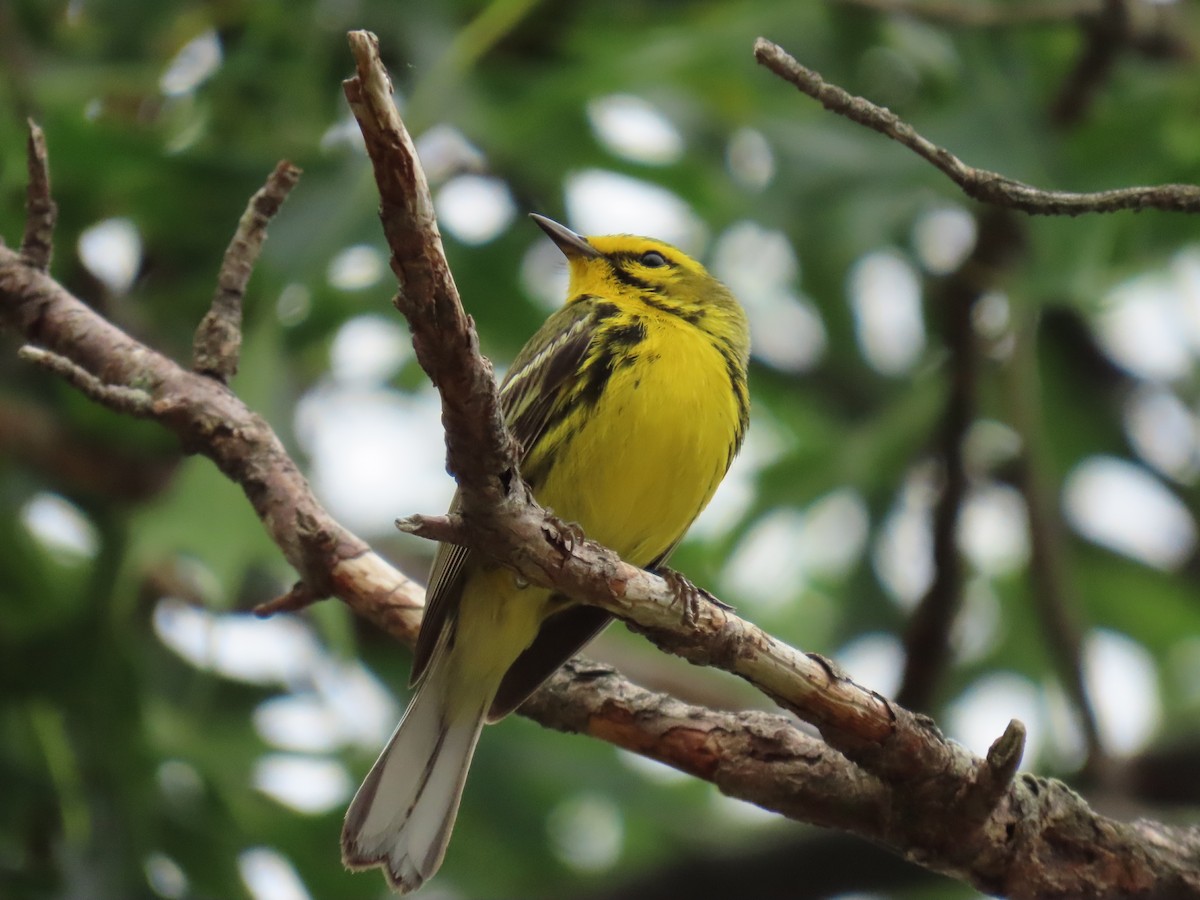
<point x="737" y="382"/>
<point x="598" y="374"/>
<point x="616" y="351"/>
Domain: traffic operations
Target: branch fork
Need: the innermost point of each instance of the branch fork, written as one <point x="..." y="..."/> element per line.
<point x="881" y="771"/>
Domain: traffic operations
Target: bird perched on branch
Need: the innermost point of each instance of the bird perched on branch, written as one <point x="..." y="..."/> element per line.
<point x="630" y="403"/>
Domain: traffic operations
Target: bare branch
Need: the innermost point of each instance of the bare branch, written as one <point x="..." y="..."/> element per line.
<point x="925" y="775"/>
<point x="37" y="246"/>
<point x="1037" y="838"/>
<point x="979" y="184"/>
<point x="128" y="400"/>
<point x="218" y="338"/>
<point x="480" y="452"/>
<point x="298" y="597"/>
<point x="113" y="368"/>
<point x="727" y="749"/>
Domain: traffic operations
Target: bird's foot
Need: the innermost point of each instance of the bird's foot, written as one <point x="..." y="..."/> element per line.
<point x="566" y="535"/>
<point x="688" y="595"/>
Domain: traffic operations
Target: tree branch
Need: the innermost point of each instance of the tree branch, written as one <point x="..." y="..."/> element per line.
<point x="912" y="790"/>
<point x="41" y="213"/>
<point x="954" y="811"/>
<point x="218" y="339"/>
<point x="979" y="184"/>
<point x="131" y="401"/>
<point x="480" y="453"/>
<point x="119" y="372"/>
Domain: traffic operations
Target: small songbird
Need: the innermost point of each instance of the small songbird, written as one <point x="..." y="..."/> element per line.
<point x="630" y="403"/>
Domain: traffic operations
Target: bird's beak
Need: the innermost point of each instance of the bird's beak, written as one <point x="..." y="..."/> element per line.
<point x="572" y="245"/>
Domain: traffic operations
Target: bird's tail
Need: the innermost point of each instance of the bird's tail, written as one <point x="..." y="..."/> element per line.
<point x="401" y="817"/>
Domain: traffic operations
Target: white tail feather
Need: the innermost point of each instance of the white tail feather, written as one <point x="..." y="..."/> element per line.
<point x="401" y="817"/>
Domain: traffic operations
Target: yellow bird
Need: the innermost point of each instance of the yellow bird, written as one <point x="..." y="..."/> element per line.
<point x="630" y="403"/>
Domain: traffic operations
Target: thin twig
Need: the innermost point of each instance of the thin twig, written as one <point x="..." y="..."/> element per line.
<point x="980" y="184"/>
<point x="131" y="401"/>
<point x="298" y="597"/>
<point x="37" y="246"/>
<point x="218" y="339"/>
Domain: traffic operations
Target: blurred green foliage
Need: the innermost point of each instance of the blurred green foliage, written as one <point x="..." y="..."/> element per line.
<point x="118" y="758"/>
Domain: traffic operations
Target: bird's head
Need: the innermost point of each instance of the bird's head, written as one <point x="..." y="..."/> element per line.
<point x="625" y="268"/>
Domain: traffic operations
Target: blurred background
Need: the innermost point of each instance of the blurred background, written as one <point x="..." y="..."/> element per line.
<point x="971" y="475"/>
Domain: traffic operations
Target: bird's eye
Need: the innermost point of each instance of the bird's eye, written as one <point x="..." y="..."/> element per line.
<point x="653" y="259"/>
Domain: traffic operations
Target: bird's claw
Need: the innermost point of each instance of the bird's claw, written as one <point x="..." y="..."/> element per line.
<point x="688" y="595"/>
<point x="567" y="535"/>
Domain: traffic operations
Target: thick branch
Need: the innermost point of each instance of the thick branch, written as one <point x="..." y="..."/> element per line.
<point x="980" y="184"/>
<point x="754" y="756"/>
<point x="480" y="453"/>
<point x="955" y="812"/>
<point x="925" y="797"/>
<point x="117" y="371"/>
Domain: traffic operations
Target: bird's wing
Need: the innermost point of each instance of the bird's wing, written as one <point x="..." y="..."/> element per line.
<point x="531" y="392"/>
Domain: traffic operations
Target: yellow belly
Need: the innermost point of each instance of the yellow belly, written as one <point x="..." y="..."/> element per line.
<point x="649" y="456"/>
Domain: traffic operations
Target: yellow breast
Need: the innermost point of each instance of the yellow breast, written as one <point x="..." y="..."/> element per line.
<point x="650" y="454"/>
